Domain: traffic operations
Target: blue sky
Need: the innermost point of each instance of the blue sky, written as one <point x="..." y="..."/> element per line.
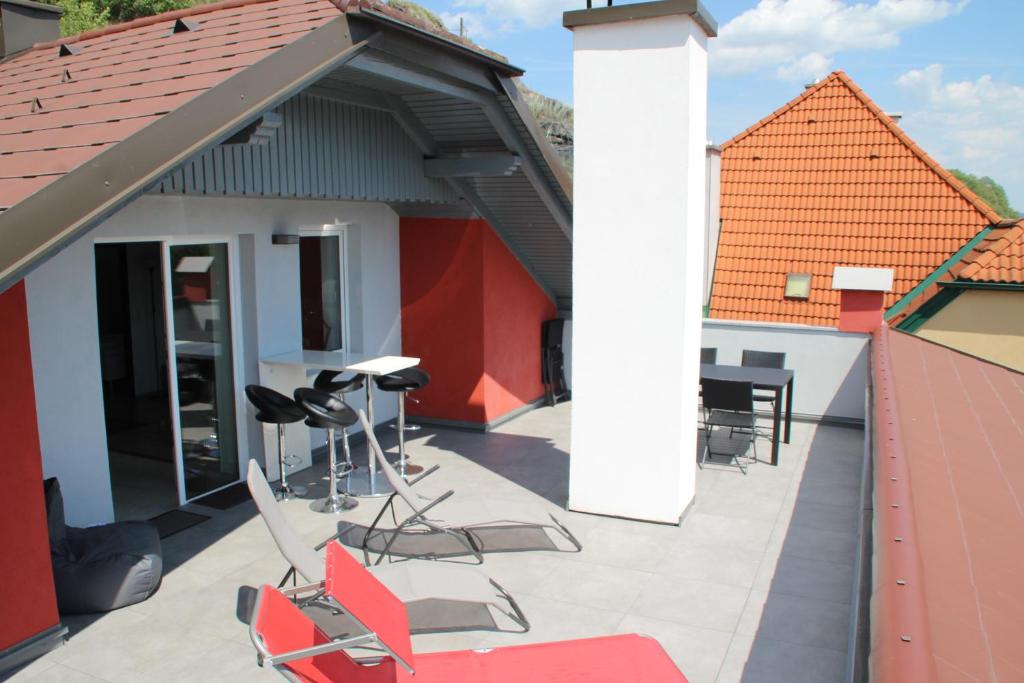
<point x="951" y="67"/>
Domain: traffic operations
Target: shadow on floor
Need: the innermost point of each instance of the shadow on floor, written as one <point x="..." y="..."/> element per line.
<point x="803" y="632"/>
<point x="534" y="463"/>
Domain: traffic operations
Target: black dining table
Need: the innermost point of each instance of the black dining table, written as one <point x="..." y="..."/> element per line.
<point x="770" y="379"/>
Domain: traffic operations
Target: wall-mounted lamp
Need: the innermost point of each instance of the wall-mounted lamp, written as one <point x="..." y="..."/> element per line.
<point x="284" y="239"/>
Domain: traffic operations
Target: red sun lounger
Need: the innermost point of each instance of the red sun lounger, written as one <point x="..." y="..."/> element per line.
<point x="287" y="640"/>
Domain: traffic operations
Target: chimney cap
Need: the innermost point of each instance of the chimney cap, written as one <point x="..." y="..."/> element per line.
<point x="862" y="279"/>
<point x="642" y="10"/>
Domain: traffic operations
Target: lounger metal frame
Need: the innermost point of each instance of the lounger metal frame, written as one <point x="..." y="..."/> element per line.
<point x="464" y="533"/>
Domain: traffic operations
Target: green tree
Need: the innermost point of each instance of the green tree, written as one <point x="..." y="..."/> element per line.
<point x="126" y="10"/>
<point x="81" y="16"/>
<point x="991" y="192"/>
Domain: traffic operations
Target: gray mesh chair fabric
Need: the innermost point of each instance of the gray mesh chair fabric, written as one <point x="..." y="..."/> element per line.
<point x="100" y="568"/>
<point x="416" y="583"/>
<point x="462" y="518"/>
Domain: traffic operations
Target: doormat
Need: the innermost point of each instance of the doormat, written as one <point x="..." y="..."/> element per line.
<point x="170" y="523"/>
<point x="226" y="498"/>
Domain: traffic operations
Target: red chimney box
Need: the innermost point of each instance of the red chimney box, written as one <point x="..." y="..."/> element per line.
<point x="863" y="291"/>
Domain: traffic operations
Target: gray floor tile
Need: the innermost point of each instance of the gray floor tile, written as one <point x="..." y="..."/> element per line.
<point x="771" y="661"/>
<point x="695" y="603"/>
<point x="798" y="621"/>
<point x="813" y="579"/>
<point x="726" y="592"/>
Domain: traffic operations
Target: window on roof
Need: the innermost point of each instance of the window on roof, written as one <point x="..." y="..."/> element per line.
<point x="798" y="285"/>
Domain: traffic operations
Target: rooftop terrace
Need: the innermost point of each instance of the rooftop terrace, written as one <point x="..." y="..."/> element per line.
<point x="754" y="585"/>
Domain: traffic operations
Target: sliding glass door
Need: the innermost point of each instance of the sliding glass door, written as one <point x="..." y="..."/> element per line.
<point x="199" y="289"/>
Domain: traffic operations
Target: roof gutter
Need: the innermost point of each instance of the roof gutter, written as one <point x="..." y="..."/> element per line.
<point x="969" y="284"/>
<point x="44" y="222"/>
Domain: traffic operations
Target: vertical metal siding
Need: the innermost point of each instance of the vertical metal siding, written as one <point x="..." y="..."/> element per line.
<point x="323" y="149"/>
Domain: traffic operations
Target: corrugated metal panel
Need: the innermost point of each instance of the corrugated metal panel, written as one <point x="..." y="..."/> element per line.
<point x="534" y="151"/>
<point x="324" y="149"/>
<point x="527" y="223"/>
<point x="456" y="126"/>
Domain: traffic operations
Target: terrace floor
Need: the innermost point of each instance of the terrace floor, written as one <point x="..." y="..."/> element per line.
<point x="755" y="584"/>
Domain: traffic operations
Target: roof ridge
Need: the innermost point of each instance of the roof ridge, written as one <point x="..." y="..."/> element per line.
<point x="839" y="75"/>
<point x="148" y="21"/>
<point x="781" y="110"/>
<point x="982" y="208"/>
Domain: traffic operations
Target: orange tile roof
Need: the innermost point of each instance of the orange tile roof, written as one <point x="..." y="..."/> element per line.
<point x="58" y="112"/>
<point x="830" y="180"/>
<point x="997" y="258"/>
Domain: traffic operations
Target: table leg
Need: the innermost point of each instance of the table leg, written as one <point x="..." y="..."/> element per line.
<point x="789" y="407"/>
<point x="371" y="459"/>
<point x="776" y="424"/>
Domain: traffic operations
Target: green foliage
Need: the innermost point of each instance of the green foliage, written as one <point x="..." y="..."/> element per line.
<point x="991" y="192"/>
<point x="126" y="10"/>
<point x="81" y="16"/>
<point x="421" y="13"/>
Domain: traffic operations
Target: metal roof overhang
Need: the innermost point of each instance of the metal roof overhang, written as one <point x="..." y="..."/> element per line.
<point x="456" y="103"/>
<point x="36" y="227"/>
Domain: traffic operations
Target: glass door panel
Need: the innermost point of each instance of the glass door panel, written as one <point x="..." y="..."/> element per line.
<point x="204" y="366"/>
<point x="320" y="289"/>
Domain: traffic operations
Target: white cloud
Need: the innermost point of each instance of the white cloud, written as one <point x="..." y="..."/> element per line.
<point x="512" y="15"/>
<point x="799" y="37"/>
<point x="808" y="67"/>
<point x="977" y="125"/>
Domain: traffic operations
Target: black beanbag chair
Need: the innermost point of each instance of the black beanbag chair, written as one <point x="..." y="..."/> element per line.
<point x="100" y="568"/>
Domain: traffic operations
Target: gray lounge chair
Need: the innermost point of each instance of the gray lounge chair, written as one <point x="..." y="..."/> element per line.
<point x="463" y="519"/>
<point x="428" y="589"/>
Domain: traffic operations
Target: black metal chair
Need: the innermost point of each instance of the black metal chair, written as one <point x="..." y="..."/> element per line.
<point x="728" y="403"/>
<point x="708" y="355"/>
<point x="327" y="411"/>
<point x="402" y="382"/>
<point x="764" y="359"/>
<point x="332" y="382"/>
<point x="277" y="409"/>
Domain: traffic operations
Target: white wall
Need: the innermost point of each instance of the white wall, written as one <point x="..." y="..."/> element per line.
<point x="640" y="133"/>
<point x="829" y="367"/>
<point x="65" y="343"/>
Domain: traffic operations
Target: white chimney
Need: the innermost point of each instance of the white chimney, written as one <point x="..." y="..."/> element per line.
<point x="640" y="106"/>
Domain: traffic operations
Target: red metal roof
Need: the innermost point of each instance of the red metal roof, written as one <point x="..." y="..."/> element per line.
<point x="997" y="258"/>
<point x="58" y="112"/>
<point x="830" y="180"/>
<point x="948" y="603"/>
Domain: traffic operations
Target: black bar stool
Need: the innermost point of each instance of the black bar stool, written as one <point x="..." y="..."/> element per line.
<point x="331" y="382"/>
<point x="277" y="409"/>
<point x="402" y="382"/>
<point x="329" y="412"/>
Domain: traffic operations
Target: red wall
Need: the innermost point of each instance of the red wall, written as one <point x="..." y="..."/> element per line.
<point x="473" y="315"/>
<point x="27" y="599"/>
<point x="860" y="311"/>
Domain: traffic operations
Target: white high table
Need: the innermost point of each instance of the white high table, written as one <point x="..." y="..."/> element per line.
<point x="287" y="371"/>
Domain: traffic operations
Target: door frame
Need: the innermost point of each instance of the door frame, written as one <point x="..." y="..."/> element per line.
<point x="237" y="364"/>
<point x="339" y="230"/>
